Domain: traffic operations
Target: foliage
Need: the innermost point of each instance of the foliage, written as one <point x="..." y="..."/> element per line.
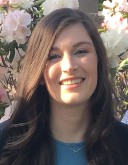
<point x="17" y="20"/>
<point x="100" y="5"/>
<point x="114" y="32"/>
<point x="2" y="109"/>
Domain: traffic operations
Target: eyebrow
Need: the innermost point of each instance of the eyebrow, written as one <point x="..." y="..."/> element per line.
<point x="75" y="45"/>
<point x="82" y="43"/>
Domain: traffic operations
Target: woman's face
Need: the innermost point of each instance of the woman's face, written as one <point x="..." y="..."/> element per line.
<point x="71" y="70"/>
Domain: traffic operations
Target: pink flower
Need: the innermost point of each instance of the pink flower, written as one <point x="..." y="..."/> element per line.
<point x="124" y="7"/>
<point x="3" y="3"/>
<point x="15" y="26"/>
<point x="7" y="114"/>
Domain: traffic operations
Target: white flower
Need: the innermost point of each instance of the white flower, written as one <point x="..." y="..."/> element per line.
<point x="109" y="7"/>
<point x="15" y="26"/>
<point x="115" y="43"/>
<point x="108" y="4"/>
<point x="51" y="5"/>
<point x="1" y="18"/>
<point x="112" y="16"/>
<point x="120" y="2"/>
<point x="125" y="118"/>
<point x="21" y="3"/>
<point x="8" y="112"/>
<point x="115" y="21"/>
<point x="124" y="6"/>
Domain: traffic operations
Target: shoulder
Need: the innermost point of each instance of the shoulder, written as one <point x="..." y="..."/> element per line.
<point x="121" y="136"/>
<point x="3" y="128"/>
<point x="118" y="141"/>
<point x="121" y="129"/>
<point x="3" y="133"/>
<point x="118" y="136"/>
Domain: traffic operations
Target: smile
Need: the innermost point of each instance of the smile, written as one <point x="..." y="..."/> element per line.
<point x="72" y="82"/>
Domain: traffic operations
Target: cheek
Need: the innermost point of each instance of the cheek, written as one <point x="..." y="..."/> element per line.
<point x="50" y="74"/>
<point x="93" y="71"/>
<point x="90" y="67"/>
<point x="93" y="68"/>
<point x="51" y="81"/>
<point x="90" y="63"/>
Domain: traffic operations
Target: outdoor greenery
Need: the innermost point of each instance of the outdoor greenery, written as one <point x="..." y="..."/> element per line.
<point x="100" y="5"/>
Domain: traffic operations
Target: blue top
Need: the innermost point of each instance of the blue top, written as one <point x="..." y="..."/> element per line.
<point x="70" y="153"/>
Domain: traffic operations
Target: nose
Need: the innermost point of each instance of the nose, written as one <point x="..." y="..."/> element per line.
<point x="68" y="64"/>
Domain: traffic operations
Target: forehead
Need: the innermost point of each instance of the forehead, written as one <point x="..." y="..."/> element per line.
<point x="72" y="34"/>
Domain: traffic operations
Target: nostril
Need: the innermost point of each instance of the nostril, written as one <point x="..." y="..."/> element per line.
<point x="70" y="69"/>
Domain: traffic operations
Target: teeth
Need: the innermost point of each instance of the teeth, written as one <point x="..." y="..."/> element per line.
<point x="71" y="82"/>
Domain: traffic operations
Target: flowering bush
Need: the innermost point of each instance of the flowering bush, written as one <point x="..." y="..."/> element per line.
<point x="17" y="19"/>
<point x="114" y="33"/>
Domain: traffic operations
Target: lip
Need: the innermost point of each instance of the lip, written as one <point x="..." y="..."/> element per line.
<point x="71" y="79"/>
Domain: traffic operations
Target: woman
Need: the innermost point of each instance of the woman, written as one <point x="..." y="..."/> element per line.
<point x="64" y="112"/>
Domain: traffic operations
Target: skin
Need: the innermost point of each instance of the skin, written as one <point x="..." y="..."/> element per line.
<point x="71" y="78"/>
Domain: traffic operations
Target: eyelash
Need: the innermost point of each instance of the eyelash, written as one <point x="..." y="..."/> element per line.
<point x="78" y="52"/>
<point x="81" y="52"/>
<point x="53" y="56"/>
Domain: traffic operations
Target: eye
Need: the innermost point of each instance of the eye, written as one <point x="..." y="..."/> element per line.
<point x="53" y="56"/>
<point x="81" y="52"/>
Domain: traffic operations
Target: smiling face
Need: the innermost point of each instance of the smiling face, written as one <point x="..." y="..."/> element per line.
<point x="71" y="70"/>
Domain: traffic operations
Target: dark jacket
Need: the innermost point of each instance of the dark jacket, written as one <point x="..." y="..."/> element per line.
<point x="3" y="134"/>
<point x="120" y="131"/>
<point x="120" y="143"/>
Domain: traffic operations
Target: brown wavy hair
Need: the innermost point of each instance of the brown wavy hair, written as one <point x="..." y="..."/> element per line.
<point x="29" y="139"/>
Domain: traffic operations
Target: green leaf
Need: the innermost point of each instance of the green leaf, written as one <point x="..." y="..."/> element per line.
<point x="2" y="9"/>
<point x="3" y="52"/>
<point x="12" y="54"/>
<point x="38" y="3"/>
<point x="123" y="65"/>
<point x="126" y="103"/>
<point x="2" y="109"/>
<point x="126" y="91"/>
<point x="12" y="47"/>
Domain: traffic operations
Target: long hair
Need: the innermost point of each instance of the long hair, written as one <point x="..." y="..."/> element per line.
<point x="29" y="135"/>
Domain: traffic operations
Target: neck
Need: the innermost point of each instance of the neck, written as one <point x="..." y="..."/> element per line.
<point x="69" y="124"/>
